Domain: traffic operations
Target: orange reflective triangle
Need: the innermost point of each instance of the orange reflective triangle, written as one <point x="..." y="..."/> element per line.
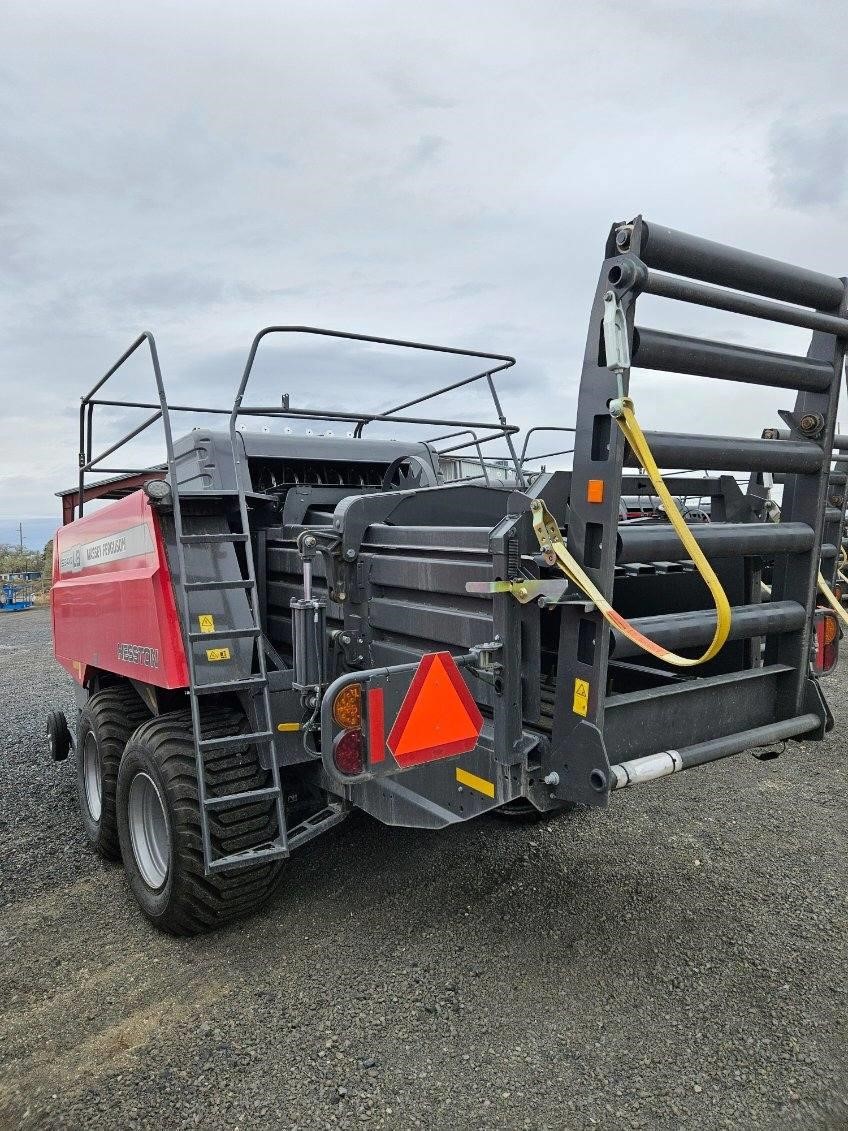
<point x="438" y="717"/>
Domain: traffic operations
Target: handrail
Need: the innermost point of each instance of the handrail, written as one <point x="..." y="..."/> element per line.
<point x="88" y="462"/>
<point x="390" y="415"/>
<point x="543" y="428"/>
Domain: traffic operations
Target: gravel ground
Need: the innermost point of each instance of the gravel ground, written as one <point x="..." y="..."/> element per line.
<point x="677" y="962"/>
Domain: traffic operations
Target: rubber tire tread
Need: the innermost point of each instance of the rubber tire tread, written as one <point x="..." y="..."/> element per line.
<point x="191" y="902"/>
<point x="113" y="714"/>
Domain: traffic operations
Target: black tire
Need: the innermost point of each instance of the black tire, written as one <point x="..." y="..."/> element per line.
<point x="106" y="724"/>
<point x="58" y="736"/>
<point x="524" y="812"/>
<point x="187" y="902"/>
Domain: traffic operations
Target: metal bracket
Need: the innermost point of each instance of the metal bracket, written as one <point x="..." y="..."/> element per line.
<point x="616" y="345"/>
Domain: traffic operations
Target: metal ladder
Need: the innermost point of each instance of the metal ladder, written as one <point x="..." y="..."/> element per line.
<point x="713" y="714"/>
<point x="264" y="735"/>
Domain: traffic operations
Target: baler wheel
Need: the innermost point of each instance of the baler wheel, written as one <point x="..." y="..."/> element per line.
<point x="160" y="832"/>
<point x="523" y="811"/>
<point x="105" y="725"/>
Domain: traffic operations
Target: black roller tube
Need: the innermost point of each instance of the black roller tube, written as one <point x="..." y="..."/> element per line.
<point x="695" y="629"/>
<point x="660" y="543"/>
<point x="715" y="748"/>
<point x="666" y="762"/>
<point x="684" y="290"/>
<point x="696" y="258"/>
<point x="677" y="353"/>
<point x="730" y="453"/>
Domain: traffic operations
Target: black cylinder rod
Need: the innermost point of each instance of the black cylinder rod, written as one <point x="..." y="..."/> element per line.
<point x="677" y="353"/>
<point x="660" y="543"/>
<point x="694" y="629"/>
<point x="697" y="258"/>
<point x="730" y="453"/>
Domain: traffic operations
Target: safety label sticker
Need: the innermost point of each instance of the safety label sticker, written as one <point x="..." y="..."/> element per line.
<point x="580" y="703"/>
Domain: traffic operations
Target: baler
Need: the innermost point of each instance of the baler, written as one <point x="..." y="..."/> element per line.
<point x="271" y="629"/>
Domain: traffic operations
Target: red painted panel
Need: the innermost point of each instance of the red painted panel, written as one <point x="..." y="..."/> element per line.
<point x="113" y="602"/>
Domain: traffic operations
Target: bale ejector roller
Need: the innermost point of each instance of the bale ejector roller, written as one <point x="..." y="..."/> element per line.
<point x="272" y="629"/>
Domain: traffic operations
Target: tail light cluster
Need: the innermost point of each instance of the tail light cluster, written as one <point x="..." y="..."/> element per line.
<point x="349" y="745"/>
<point x="825" y="641"/>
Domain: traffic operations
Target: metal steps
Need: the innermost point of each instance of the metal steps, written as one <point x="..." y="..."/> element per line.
<point x="191" y="590"/>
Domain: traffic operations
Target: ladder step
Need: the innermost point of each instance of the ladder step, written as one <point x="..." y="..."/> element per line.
<point x="225" y="634"/>
<point x="242" y="798"/>
<point x="214" y="493"/>
<point x="203" y="539"/>
<point x="235" y="740"/>
<point x="275" y="850"/>
<point x="229" y="685"/>
<point x="217" y="586"/>
<point x="317" y="823"/>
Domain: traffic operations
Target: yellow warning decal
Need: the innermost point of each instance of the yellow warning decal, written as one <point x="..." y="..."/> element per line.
<point x="206" y="622"/>
<point x="214" y="654"/>
<point x="473" y="782"/>
<point x="580" y="702"/>
<point x="283" y="728"/>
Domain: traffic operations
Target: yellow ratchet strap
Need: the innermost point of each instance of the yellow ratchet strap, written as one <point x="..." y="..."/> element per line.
<point x="832" y="599"/>
<point x="843" y="561"/>
<point x="556" y="552"/>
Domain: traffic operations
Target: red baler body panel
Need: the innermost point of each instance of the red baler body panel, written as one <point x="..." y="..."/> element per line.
<point x="113" y="600"/>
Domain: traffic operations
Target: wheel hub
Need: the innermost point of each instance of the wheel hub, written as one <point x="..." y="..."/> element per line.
<point x="149" y="836"/>
<point x="92" y="776"/>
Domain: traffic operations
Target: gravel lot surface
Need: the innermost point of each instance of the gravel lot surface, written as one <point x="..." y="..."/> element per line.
<point x="677" y="962"/>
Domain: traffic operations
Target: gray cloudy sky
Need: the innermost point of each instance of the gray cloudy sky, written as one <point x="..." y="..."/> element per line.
<point x="440" y="171"/>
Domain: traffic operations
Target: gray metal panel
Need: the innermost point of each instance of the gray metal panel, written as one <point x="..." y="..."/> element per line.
<point x="664" y="718"/>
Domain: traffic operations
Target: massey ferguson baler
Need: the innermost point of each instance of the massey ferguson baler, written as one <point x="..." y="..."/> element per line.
<point x="274" y="628"/>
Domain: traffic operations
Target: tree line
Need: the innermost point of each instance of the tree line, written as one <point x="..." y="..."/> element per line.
<point x="13" y="559"/>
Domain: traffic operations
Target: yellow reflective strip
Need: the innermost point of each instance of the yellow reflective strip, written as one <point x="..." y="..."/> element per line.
<point x="473" y="782"/>
<point x="283" y="727"/>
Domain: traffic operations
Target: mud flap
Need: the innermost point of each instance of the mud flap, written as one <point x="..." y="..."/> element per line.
<point x="816" y="704"/>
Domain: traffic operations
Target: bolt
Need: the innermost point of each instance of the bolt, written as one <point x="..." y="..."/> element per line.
<point x="340" y="594"/>
<point x="551" y="779"/>
<point x="345" y="638"/>
<point x="622" y="239"/>
<point x="809" y="423"/>
<point x="522" y="592"/>
<point x="350" y="554"/>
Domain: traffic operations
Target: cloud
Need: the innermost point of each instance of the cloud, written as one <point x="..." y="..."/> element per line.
<point x="444" y="173"/>
<point x="809" y="162"/>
